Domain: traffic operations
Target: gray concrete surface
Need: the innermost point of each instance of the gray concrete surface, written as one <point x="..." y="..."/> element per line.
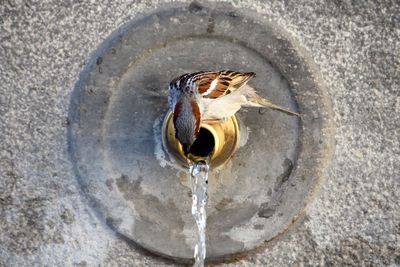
<point x="44" y="220"/>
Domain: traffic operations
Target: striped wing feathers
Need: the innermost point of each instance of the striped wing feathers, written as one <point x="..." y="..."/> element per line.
<point x="217" y="84"/>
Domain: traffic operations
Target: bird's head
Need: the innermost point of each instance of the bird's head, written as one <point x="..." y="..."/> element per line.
<point x="186" y="122"/>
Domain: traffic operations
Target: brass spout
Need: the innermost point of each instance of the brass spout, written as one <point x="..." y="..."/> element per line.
<point x="225" y="141"/>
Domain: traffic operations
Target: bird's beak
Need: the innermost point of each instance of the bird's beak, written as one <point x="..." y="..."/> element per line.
<point x="186" y="149"/>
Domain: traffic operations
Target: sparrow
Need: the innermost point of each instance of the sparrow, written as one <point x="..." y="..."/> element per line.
<point x="211" y="97"/>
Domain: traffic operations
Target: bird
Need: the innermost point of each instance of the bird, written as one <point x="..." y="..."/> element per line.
<point x="211" y="97"/>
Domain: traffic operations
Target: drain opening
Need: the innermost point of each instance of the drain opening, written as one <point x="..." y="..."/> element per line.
<point x="204" y="144"/>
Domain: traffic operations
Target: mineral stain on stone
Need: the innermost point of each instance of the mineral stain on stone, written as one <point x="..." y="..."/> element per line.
<point x="211" y="25"/>
<point x="109" y="184"/>
<point x="288" y="167"/>
<point x="113" y="223"/>
<point x="258" y="226"/>
<point x="221" y="222"/>
<point x="195" y="7"/>
<point x="67" y="216"/>
<point x="162" y="217"/>
<point x="265" y="211"/>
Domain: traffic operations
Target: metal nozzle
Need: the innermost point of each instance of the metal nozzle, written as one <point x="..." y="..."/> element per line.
<point x="215" y="143"/>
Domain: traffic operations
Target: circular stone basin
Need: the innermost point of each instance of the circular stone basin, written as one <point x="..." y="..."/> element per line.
<point x="115" y="133"/>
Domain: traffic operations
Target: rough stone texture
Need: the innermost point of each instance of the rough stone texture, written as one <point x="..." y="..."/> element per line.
<point x="355" y="218"/>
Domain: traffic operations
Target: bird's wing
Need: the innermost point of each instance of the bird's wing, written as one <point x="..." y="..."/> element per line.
<point x="217" y="84"/>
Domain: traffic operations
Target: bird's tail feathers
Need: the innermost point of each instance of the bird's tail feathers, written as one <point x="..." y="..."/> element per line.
<point x="257" y="101"/>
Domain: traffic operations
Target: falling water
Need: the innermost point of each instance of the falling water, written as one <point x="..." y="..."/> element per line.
<point x="199" y="180"/>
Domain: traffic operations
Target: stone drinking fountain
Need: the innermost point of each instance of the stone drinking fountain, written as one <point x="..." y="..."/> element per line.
<point x="266" y="165"/>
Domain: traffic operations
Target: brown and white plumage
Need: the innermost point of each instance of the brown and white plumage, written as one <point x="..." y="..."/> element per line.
<point x="211" y="96"/>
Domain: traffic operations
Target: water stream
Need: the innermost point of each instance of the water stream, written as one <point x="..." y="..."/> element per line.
<point x="199" y="181"/>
